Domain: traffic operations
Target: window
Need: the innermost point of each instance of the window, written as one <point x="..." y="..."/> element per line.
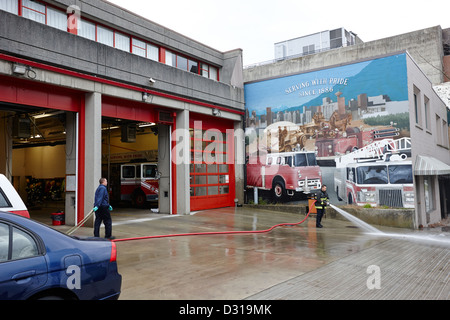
<point x="181" y="62"/>
<point x="38" y="12"/>
<point x="438" y="130"/>
<point x="53" y="17"/>
<point x="445" y="141"/>
<point x="149" y="171"/>
<point x="308" y="49"/>
<point x="372" y="175"/>
<point x="213" y="73"/>
<point x="400" y="174"/>
<point x="4" y="242"/>
<point x="417" y="108"/>
<point x="128" y="172"/>
<point x="171" y="59"/>
<point x="105" y="36"/>
<point x="10" y="6"/>
<point x="121" y="41"/>
<point x="139" y="47"/>
<point x="351" y="176"/>
<point x="56" y="19"/>
<point x="4" y="202"/>
<point x="428" y="193"/>
<point x="145" y="50"/>
<point x="209" y="72"/>
<point x="300" y="160"/>
<point x="86" y="29"/>
<point x="193" y="66"/>
<point x="33" y="10"/>
<point x="152" y="52"/>
<point x="23" y="244"/>
<point x="426" y="106"/>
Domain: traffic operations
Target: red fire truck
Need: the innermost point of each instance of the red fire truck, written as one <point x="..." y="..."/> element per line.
<point x="379" y="174"/>
<point x="285" y="173"/>
<point x="139" y="182"/>
<point x="333" y="143"/>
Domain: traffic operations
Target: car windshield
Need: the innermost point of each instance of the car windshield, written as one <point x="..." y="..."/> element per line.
<point x="399" y="174"/>
<point x="149" y="171"/>
<point x="305" y="159"/>
<point x="372" y="175"/>
<point x="394" y="174"/>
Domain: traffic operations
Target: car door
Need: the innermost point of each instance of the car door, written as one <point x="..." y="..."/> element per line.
<point x="23" y="268"/>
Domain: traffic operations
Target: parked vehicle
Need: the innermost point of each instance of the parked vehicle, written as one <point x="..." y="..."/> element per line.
<point x="10" y="200"/>
<point x="139" y="182"/>
<point x="38" y="262"/>
<point x="285" y="173"/>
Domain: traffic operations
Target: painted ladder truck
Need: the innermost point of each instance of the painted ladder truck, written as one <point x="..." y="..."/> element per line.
<point x="285" y="173"/>
<point x="379" y="174"/>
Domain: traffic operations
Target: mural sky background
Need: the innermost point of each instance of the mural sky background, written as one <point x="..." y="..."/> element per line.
<point x="383" y="76"/>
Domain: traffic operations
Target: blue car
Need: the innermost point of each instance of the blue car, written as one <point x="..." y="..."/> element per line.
<point x="38" y="262"/>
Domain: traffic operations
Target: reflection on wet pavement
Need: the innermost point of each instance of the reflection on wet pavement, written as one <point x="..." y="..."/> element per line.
<point x="227" y="266"/>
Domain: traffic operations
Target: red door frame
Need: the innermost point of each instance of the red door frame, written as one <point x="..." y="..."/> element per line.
<point x="29" y="93"/>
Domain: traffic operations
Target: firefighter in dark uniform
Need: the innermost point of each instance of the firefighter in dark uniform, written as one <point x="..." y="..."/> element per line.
<point x="321" y="203"/>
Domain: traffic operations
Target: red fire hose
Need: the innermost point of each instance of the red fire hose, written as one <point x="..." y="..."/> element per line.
<point x="218" y="232"/>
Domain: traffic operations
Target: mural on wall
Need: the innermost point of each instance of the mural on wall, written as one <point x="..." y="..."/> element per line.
<point x="328" y="113"/>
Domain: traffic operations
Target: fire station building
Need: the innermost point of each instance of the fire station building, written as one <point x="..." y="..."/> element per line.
<point x="86" y="89"/>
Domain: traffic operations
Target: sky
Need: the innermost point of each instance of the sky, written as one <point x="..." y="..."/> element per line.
<point x="255" y="25"/>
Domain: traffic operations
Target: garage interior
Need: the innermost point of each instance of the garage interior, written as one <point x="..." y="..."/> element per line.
<point x="42" y="148"/>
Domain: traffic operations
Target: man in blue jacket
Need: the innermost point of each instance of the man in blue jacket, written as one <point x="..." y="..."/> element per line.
<point x="102" y="210"/>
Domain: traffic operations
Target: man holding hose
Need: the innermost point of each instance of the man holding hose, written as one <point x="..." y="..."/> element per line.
<point x="321" y="203"/>
<point x="102" y="210"/>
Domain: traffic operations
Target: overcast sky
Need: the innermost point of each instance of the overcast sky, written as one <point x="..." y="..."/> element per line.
<point x="255" y="25"/>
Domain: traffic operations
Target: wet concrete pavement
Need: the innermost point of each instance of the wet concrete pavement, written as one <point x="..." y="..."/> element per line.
<point x="288" y="263"/>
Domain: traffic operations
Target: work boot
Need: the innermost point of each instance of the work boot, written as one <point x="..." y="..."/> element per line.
<point x="318" y="225"/>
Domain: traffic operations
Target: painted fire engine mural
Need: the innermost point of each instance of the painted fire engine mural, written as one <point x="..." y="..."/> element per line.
<point x="353" y="118"/>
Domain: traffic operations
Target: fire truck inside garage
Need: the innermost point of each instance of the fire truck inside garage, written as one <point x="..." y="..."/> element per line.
<point x="130" y="162"/>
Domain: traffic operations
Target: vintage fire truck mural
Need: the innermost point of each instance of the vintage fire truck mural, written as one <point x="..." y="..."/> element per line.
<point x="285" y="173"/>
<point x="379" y="174"/>
<point x="328" y="114"/>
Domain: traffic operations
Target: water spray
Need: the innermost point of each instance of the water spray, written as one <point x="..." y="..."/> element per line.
<point x="439" y="239"/>
<point x="365" y="226"/>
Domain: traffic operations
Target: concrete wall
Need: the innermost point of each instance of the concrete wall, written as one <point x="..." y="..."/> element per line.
<point x="425" y="46"/>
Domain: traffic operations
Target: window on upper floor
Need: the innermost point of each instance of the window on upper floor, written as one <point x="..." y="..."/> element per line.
<point x="33" y="11"/>
<point x="121" y="41"/>
<point x="181" y="62"/>
<point x="445" y="137"/>
<point x="209" y="71"/>
<point x="105" y="36"/>
<point x="10" y="6"/>
<point x="417" y="106"/>
<point x="57" y="18"/>
<point x="426" y="106"/>
<point x="86" y="29"/>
